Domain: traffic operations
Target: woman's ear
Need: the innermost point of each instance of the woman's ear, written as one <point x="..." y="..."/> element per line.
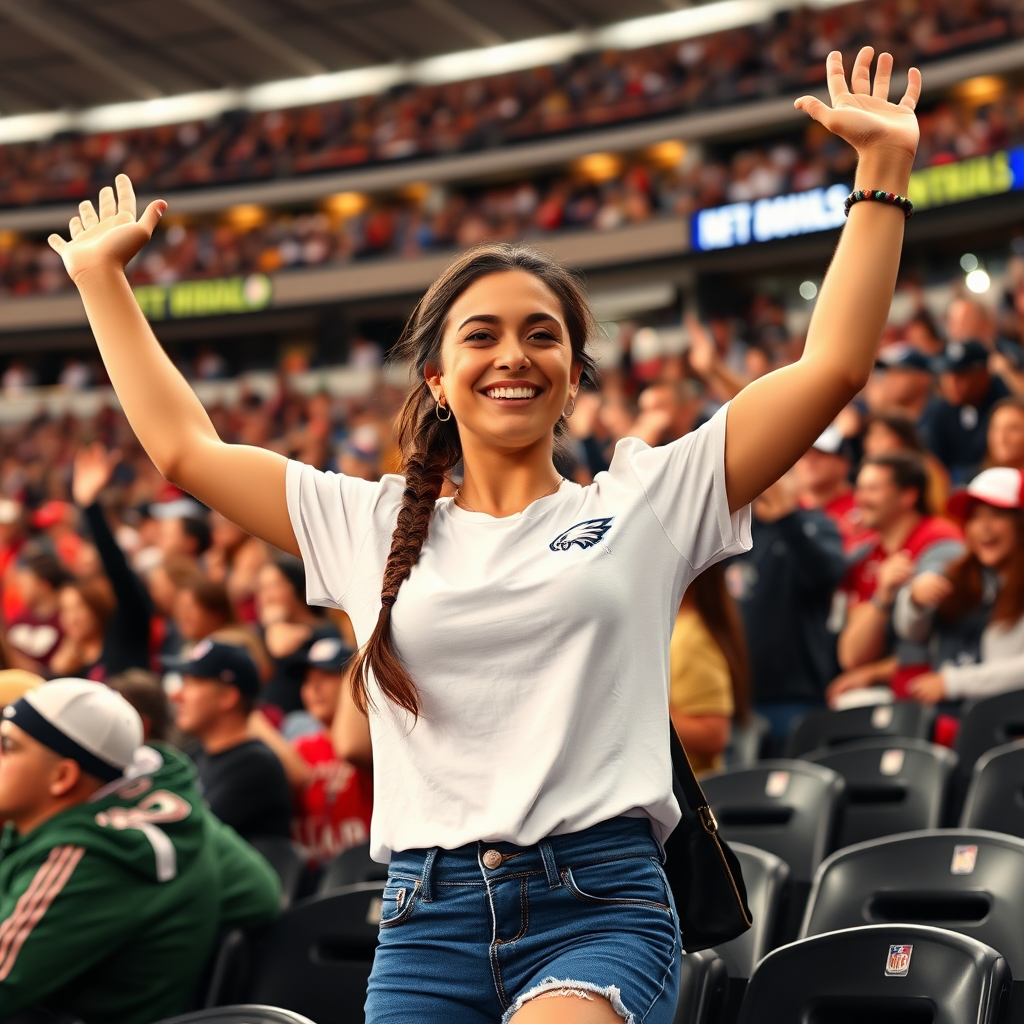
<point x="432" y="375"/>
<point x="575" y="373"/>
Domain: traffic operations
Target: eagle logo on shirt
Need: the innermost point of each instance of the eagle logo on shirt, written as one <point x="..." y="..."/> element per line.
<point x="586" y="534"/>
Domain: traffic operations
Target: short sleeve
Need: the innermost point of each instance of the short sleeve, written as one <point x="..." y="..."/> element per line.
<point x="685" y="486"/>
<point x="331" y="514"/>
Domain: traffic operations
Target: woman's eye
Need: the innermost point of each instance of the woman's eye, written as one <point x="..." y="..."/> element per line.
<point x="542" y="336"/>
<point x="478" y="336"/>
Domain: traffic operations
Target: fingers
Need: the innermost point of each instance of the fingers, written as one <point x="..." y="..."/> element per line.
<point x="57" y="244"/>
<point x="125" y="194"/>
<point x="151" y="217"/>
<point x="88" y="213"/>
<point x="75" y="226"/>
<point x="815" y="108"/>
<point x="883" y="74"/>
<point x="835" y="76"/>
<point x="860" y="76"/>
<point x="913" y="93"/>
<point x="108" y="208"/>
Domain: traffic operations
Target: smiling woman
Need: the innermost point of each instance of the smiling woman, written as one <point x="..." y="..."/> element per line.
<point x="515" y="638"/>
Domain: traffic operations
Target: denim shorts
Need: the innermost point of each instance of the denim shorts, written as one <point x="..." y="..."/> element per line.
<point x="469" y="935"/>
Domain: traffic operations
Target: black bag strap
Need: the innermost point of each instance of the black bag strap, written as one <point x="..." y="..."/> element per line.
<point x="687" y="783"/>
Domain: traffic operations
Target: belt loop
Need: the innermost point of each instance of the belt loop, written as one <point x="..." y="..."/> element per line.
<point x="426" y="890"/>
<point x="547" y="855"/>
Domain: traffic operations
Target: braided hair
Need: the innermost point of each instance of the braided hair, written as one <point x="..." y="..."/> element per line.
<point x="431" y="448"/>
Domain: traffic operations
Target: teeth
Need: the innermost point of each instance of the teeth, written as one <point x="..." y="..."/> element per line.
<point x="511" y="392"/>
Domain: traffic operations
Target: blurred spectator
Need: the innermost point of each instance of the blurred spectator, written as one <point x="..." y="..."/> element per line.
<point x="957" y="419"/>
<point x="333" y="798"/>
<point x="891" y="492"/>
<point x="234" y="558"/>
<point x="35" y="631"/>
<point x="894" y="432"/>
<point x="104" y="929"/>
<point x="144" y="691"/>
<point x="902" y="383"/>
<point x="242" y="781"/>
<point x="106" y="622"/>
<point x="823" y="478"/>
<point x="182" y="532"/>
<point x="289" y="626"/>
<point x="971" y="617"/>
<point x="784" y="587"/>
<point x="710" y="676"/>
<point x="1006" y="433"/>
<point x="201" y="607"/>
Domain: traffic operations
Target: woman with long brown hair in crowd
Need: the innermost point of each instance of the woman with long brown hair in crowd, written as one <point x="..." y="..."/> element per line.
<point x="514" y="637"/>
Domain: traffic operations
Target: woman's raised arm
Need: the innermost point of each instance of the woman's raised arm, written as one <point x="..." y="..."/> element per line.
<point x="245" y="484"/>
<point x="775" y="419"/>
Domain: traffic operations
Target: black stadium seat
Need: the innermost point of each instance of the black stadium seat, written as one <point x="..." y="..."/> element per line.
<point x="316" y="957"/>
<point x="985" y="724"/>
<point x="287" y="860"/>
<point x="247" y="1014"/>
<point x="702" y="989"/>
<point x="824" y="728"/>
<point x="962" y="879"/>
<point x="789" y="808"/>
<point x="893" y="784"/>
<point x="880" y="974"/>
<point x="350" y="868"/>
<point x="995" y="797"/>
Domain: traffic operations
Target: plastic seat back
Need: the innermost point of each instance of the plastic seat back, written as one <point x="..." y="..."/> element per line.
<point x="286" y="859"/>
<point x="995" y="797"/>
<point x="880" y="974"/>
<point x="985" y="725"/>
<point x="825" y="728"/>
<point x="702" y="989"/>
<point x="965" y="880"/>
<point x="316" y="958"/>
<point x="350" y="868"/>
<point x="893" y="785"/>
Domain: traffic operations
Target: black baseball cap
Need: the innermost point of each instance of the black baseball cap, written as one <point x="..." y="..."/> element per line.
<point x="963" y="355"/>
<point x="901" y="356"/>
<point x="224" y="663"/>
<point x="328" y="654"/>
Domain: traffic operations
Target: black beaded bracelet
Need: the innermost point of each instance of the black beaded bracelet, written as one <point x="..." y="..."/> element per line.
<point x="878" y="196"/>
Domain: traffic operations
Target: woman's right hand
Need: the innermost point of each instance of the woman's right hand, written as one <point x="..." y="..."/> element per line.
<point x="111" y="238"/>
<point x="930" y="589"/>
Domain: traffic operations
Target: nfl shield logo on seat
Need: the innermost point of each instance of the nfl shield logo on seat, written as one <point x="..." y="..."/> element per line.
<point x="898" y="964"/>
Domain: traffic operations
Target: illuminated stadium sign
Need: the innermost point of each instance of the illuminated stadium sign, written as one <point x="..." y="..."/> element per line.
<point x="213" y="297"/>
<point x="798" y="213"/>
<point x="980" y="176"/>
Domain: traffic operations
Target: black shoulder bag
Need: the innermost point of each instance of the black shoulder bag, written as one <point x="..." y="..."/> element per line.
<point x="705" y="875"/>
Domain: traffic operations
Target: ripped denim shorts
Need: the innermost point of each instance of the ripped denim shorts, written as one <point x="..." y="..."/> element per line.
<point x="467" y="936"/>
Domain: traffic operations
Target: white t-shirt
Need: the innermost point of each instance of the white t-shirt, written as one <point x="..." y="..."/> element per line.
<point x="539" y="643"/>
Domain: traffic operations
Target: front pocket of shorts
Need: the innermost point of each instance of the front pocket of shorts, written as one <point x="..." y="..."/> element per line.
<point x="606" y="886"/>
<point x="398" y="900"/>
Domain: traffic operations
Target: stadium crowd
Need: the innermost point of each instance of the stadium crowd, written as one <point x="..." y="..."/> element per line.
<point x="601" y="194"/>
<point x="781" y="55"/>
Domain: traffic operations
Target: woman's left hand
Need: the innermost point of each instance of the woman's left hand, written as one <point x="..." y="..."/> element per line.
<point x="929" y="688"/>
<point x="863" y="115"/>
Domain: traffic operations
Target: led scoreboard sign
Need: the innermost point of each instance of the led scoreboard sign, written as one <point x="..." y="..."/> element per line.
<point x="211" y="297"/>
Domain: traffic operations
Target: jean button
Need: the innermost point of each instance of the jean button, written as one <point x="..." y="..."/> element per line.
<point x="492" y="859"/>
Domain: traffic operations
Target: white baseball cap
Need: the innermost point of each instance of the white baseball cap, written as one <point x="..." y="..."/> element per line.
<point x="1001" y="486"/>
<point x="830" y="441"/>
<point x="87" y="722"/>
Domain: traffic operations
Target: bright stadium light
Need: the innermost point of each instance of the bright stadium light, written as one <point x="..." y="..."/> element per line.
<point x="968" y="262"/>
<point x="808" y="289"/>
<point x="978" y="281"/>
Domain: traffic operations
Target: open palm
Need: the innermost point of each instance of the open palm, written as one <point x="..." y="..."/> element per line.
<point x="111" y="237"/>
<point x="863" y="115"/>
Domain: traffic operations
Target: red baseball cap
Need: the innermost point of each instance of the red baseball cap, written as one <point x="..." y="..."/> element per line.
<point x="49" y="514"/>
<point x="1000" y="486"/>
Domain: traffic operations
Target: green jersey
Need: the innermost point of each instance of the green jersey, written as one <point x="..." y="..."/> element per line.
<point x="111" y="909"/>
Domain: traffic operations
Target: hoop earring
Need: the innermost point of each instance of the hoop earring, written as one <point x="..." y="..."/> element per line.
<point x="566" y="415"/>
<point x="437" y="411"/>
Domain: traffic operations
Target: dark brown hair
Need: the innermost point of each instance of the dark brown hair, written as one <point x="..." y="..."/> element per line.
<point x="212" y="597"/>
<point x="966" y="576"/>
<point x="902" y="426"/>
<point x="431" y="448"/>
<point x="143" y="691"/>
<point x="722" y="618"/>
<point x="98" y="597"/>
<point x="908" y="471"/>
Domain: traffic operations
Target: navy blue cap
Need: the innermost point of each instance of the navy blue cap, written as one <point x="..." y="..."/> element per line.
<point x="224" y="663"/>
<point x="328" y="654"/>
<point x="962" y="355"/>
<point x="902" y="357"/>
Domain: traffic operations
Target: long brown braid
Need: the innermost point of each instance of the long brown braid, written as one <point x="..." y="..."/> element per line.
<point x="431" y="448"/>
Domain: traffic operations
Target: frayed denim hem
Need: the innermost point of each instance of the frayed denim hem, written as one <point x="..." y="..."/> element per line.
<point x="567" y="987"/>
